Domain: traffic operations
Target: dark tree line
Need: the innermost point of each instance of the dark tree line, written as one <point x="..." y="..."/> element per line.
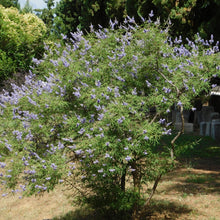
<point x="187" y="16"/>
<point x="10" y="3"/>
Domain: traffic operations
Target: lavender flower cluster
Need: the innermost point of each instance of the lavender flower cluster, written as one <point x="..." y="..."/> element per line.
<point x="92" y="115"/>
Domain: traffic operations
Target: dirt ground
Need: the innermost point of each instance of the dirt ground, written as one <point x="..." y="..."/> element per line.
<point x="188" y="193"/>
<point x="35" y="208"/>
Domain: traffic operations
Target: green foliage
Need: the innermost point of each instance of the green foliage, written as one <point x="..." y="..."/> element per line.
<point x="82" y="13"/>
<point x="6" y="65"/>
<point x="21" y="39"/>
<point x="47" y="15"/>
<point x="188" y="146"/>
<point x="27" y="8"/>
<point x="10" y="3"/>
<point x="67" y="19"/>
<point x="188" y="17"/>
<point x="191" y="16"/>
<point x="200" y="179"/>
<point x="98" y="119"/>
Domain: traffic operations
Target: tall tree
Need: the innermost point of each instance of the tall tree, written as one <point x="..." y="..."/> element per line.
<point x="188" y="16"/>
<point x="94" y="12"/>
<point x="205" y="17"/>
<point x="47" y="14"/>
<point x="68" y="14"/>
<point x="27" y="8"/>
<point x="10" y="3"/>
<point x="73" y="14"/>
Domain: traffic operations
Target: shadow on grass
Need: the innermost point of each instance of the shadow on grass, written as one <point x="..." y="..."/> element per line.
<point x="78" y="215"/>
<point x="208" y="164"/>
<point x="158" y="209"/>
<point x="89" y="214"/>
<point x="162" y="209"/>
<point x="194" y="183"/>
<point x="189" y="146"/>
<point x="194" y="146"/>
<point x="198" y="152"/>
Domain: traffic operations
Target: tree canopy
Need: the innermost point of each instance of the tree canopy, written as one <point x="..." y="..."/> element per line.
<point x="10" y="3"/>
<point x="27" y="7"/>
<point x="188" y="16"/>
<point x="98" y="118"/>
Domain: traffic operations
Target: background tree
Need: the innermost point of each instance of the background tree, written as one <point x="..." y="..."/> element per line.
<point x="82" y="13"/>
<point x="188" y="16"/>
<point x="93" y="12"/>
<point x="68" y="13"/>
<point x="21" y="39"/>
<point x="27" y="8"/>
<point x="47" y="15"/>
<point x="204" y="18"/>
<point x="10" y="3"/>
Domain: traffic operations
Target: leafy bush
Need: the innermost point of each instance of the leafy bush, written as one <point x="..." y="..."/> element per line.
<point x="21" y="39"/>
<point x="6" y="65"/>
<point x="97" y="120"/>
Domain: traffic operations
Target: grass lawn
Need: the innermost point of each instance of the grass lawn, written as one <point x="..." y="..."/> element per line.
<point x="191" y="191"/>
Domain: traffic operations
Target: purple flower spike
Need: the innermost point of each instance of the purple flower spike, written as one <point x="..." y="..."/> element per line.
<point x="4" y="194"/>
<point x="100" y="171"/>
<point x="82" y="130"/>
<point x="129" y="139"/>
<point x="151" y="14"/>
<point x="128" y="158"/>
<point x="53" y="166"/>
<point x="98" y="83"/>
<point x="144" y="131"/>
<point x="111" y="170"/>
<point x="179" y="103"/>
<point x="146" y="138"/>
<point x="162" y="120"/>
<point x="107" y="155"/>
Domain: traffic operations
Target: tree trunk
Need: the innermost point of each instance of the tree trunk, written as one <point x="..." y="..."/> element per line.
<point x="141" y="214"/>
<point x="136" y="183"/>
<point x="123" y="180"/>
<point x="178" y="134"/>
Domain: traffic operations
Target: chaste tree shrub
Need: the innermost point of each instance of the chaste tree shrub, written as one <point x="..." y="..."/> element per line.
<point x="95" y="122"/>
<point x="21" y="39"/>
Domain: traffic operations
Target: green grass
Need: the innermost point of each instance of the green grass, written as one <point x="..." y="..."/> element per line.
<point x="194" y="146"/>
<point x="199" y="179"/>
